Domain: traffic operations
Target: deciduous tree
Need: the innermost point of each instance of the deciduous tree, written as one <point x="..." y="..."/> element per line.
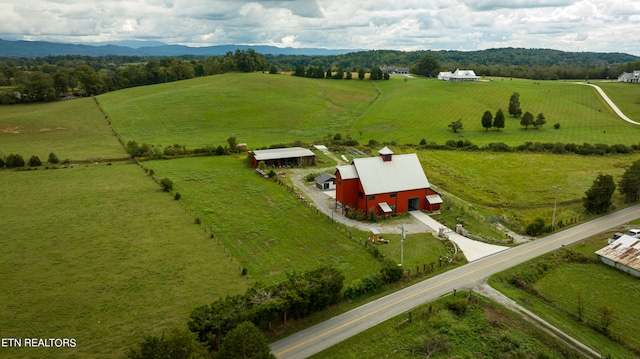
<point x="539" y="121"/>
<point x="177" y="344"/>
<point x="245" y="341"/>
<point x="456" y="125"/>
<point x="526" y="120"/>
<point x="598" y="198"/>
<point x="428" y="65"/>
<point x="630" y="183"/>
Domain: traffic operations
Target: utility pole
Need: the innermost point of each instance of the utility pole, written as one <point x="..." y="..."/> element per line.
<point x="555" y="205"/>
<point x="402" y="246"/>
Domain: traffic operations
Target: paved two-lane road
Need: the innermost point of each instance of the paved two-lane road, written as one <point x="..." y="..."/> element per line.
<point x="326" y="334"/>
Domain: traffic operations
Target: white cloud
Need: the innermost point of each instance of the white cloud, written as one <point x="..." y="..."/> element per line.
<point x="596" y="25"/>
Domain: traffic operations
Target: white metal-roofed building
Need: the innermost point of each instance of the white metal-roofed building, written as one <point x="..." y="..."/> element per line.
<point x="630" y="77"/>
<point x="458" y="75"/>
<point x="284" y="157"/>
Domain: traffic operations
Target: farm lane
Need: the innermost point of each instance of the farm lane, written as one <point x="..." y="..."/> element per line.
<point x="610" y="103"/>
<point x="328" y="333"/>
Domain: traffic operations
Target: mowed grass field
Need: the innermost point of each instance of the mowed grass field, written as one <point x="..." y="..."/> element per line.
<point x="76" y="130"/>
<point x="625" y="95"/>
<point x="100" y="254"/>
<point x="266" y="228"/>
<point x="257" y="108"/>
<point x="263" y="109"/>
<point x="408" y="111"/>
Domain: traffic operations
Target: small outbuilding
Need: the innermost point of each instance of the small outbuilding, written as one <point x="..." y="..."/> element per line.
<point x="284" y="157"/>
<point x="623" y="253"/>
<point x="326" y="182"/>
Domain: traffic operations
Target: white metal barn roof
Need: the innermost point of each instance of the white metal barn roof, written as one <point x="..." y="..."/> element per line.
<point x="402" y="173"/>
<point x="276" y="153"/>
<point x="347" y="172"/>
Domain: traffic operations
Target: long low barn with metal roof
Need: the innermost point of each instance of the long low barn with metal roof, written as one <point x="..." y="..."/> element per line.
<point x="284" y="157"/>
<point x="623" y="254"/>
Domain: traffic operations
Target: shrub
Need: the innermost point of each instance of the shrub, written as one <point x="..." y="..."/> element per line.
<point x="53" y="159"/>
<point x="499" y="147"/>
<point x="391" y="273"/>
<point x="459" y="306"/>
<point x="536" y="227"/>
<point x="35" y="161"/>
<point x="1" y="163"/>
<point x="166" y="184"/>
<point x="177" y="196"/>
<point x="14" y="161"/>
<point x="362" y="286"/>
<point x="556" y="126"/>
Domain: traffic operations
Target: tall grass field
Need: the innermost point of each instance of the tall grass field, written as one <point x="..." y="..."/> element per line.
<point x="265" y="227"/>
<point x="76" y="130"/>
<point x="100" y="254"/>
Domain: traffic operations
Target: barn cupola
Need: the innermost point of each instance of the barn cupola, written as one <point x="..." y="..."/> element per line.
<point x="386" y="154"/>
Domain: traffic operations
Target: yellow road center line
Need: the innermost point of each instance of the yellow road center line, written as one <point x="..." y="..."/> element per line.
<point x="533" y="247"/>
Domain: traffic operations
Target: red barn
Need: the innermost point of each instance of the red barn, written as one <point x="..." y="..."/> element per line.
<point x="385" y="184"/>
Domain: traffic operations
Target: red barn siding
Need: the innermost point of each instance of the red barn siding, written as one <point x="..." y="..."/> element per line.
<point x="346" y="190"/>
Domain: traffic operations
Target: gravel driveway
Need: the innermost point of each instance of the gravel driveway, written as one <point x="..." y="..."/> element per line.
<point x="327" y="206"/>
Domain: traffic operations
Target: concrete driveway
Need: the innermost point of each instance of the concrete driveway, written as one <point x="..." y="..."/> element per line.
<point x="472" y="249"/>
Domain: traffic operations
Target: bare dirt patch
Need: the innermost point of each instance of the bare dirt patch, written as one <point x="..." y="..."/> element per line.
<point x="47" y="129"/>
<point x="10" y="130"/>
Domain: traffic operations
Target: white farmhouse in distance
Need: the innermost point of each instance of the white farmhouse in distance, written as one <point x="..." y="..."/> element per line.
<point x="458" y="75"/>
<point x="630" y="77"/>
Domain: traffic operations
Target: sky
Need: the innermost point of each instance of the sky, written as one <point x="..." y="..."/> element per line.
<point x="568" y="25"/>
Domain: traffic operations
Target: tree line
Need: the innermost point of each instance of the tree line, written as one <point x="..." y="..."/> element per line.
<point x="318" y="72"/>
<point x="52" y="78"/>
<point x="537" y="64"/>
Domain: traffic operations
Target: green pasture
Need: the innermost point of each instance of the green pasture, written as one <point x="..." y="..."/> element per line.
<point x="625" y="95"/>
<point x="74" y="130"/>
<point x="422" y="251"/>
<point x="263" y="109"/>
<point x="559" y="290"/>
<point x="100" y="254"/>
<point x="484" y="330"/>
<point x="418" y="108"/>
<point x="265" y="227"/>
<point x="519" y="186"/>
<point x="259" y="109"/>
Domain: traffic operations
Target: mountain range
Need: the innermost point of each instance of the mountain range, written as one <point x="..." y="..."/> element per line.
<point x="142" y="48"/>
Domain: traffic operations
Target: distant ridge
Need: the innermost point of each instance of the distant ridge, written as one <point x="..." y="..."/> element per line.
<point x="44" y="48"/>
